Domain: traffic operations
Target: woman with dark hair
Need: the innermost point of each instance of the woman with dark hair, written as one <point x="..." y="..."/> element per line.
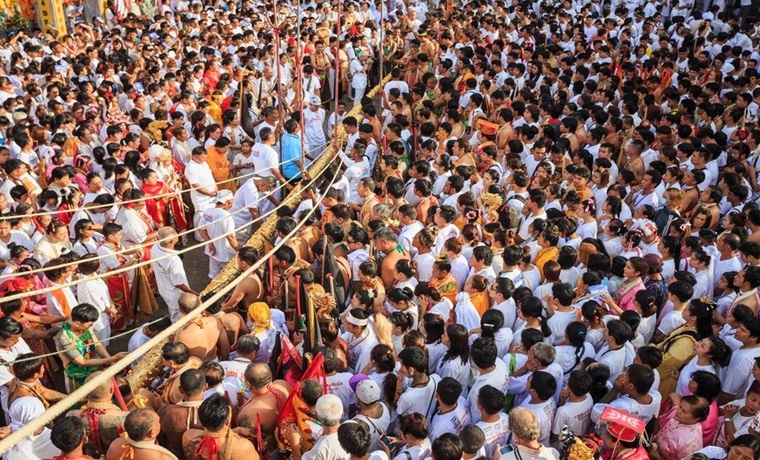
<point x="654" y="281"/>
<point x="728" y="291"/>
<point x="492" y="326"/>
<point x="670" y="249"/>
<point x="678" y="346"/>
<point x="574" y="348"/>
<point x="414" y="434"/>
<point x="680" y="430"/>
<point x="613" y="236"/>
<point x="432" y="327"/>
<point x="635" y="268"/>
<point x="531" y="311"/>
<point x="455" y="363"/>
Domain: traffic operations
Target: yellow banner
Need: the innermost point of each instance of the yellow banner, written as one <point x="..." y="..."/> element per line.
<point x="52" y="17"/>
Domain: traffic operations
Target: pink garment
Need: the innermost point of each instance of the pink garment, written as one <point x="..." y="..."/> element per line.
<point x="626" y="301"/>
<point x="675" y="440"/>
<point x="709" y="426"/>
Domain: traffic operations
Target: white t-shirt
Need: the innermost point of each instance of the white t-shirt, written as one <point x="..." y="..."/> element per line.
<point x="5" y="373"/>
<point x="576" y="415"/>
<point x="670" y="322"/>
<point x="200" y="175"/>
<point x="326" y="447"/>
<point x="242" y="160"/>
<point x="94" y="291"/>
<point x="737" y="376"/>
<point x="497" y="378"/>
<point x="420" y="400"/>
<point x="558" y="323"/>
<point x="219" y="223"/>
<point x="247" y="196"/>
<point x="450" y="422"/>
<point x="496" y="433"/>
<point x="337" y="384"/>
<point x="264" y="159"/>
<point x="545" y="412"/>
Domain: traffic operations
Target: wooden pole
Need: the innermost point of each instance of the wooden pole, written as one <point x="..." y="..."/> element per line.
<point x="299" y="56"/>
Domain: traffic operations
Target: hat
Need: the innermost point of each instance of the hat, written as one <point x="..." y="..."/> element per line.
<point x="315" y="100"/>
<point x="486" y="127"/>
<point x="353" y="382"/>
<point x="368" y="391"/>
<point x="622" y="425"/>
<point x="224" y="196"/>
<point x="260" y="315"/>
<point x="357" y="317"/>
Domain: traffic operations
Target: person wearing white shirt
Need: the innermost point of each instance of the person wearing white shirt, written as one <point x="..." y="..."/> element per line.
<point x="94" y="291"/>
<point x="632" y="392"/>
<point x="494" y="423"/>
<point x="613" y="353"/>
<point x="452" y="415"/>
<point x="541" y="387"/>
<point x="490" y="370"/>
<point x="419" y="396"/>
<point x="357" y="168"/>
<point x="410" y="227"/>
<point x="219" y="230"/>
<point x="575" y="413"/>
<point x="525" y="426"/>
<point x="170" y="272"/>
<point x="534" y="206"/>
<point x="200" y="178"/>
<point x="11" y="346"/>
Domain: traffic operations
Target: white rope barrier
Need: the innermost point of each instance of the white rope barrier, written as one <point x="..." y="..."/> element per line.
<point x="152" y="197"/>
<point x="144" y="262"/>
<point x="106" y="374"/>
<point x="125" y="250"/>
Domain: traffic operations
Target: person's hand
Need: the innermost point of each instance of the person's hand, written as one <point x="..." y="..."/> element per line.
<point x="211" y="249"/>
<point x="402" y="373"/>
<point x="5" y="431"/>
<point x="532" y="365"/>
<point x="118" y="356"/>
<point x="674" y="398"/>
<point x="619" y="382"/>
<point x="730" y="410"/>
<point x="565" y="393"/>
<point x="674" y="373"/>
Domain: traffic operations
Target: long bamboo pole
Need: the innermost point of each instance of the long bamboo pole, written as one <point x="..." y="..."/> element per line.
<point x="302" y="107"/>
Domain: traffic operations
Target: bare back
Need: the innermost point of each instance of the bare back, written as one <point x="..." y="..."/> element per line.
<point x="201" y="338"/>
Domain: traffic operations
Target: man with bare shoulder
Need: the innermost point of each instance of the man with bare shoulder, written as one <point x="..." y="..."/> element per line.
<point x="205" y="336"/>
<point x="182" y="416"/>
<point x="267" y="400"/>
<point x="176" y="360"/>
<point x="142" y="427"/>
<point x="386" y="242"/>
<point x="216" y="438"/>
<point x="102" y="418"/>
<point x="70" y="436"/>
<point x="250" y="289"/>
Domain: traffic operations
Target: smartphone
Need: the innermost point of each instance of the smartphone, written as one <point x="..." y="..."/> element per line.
<point x="387" y="442"/>
<point x="506" y="449"/>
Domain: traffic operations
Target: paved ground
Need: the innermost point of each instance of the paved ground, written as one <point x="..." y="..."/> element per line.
<point x="196" y="269"/>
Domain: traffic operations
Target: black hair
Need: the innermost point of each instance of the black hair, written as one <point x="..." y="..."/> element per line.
<point x="214" y="411"/>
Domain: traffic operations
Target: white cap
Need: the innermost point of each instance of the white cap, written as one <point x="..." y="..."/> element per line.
<point x="224" y="196"/>
<point x="368" y="391"/>
<point x="315" y="100"/>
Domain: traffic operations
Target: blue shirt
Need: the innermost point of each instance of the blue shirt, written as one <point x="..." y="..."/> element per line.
<point x="291" y="152"/>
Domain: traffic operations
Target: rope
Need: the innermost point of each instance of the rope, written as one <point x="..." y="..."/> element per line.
<point x="106" y="374"/>
<point x="142" y="263"/>
<point x="146" y="198"/>
<point x="55" y="353"/>
<point x="130" y="249"/>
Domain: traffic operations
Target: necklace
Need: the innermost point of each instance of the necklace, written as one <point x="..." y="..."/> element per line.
<point x="101" y="405"/>
<point x="217" y="434"/>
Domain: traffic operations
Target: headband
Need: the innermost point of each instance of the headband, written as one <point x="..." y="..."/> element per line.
<point x="356" y="321"/>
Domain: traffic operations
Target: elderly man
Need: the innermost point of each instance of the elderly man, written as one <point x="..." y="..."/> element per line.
<point x="170" y="273"/>
<point x="329" y="412"/>
<point x="525" y="432"/>
<point x="143" y="427"/>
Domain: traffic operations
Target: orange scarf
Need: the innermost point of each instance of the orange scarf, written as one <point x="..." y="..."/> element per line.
<point x="60" y="296"/>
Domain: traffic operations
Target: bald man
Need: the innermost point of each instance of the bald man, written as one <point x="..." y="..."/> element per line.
<point x="170" y="273"/>
<point x="205" y="337"/>
<point x="268" y="397"/>
<point x="101" y="417"/>
<point x="142" y="427"/>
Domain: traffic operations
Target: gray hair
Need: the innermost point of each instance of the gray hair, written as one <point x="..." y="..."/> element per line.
<point x="248" y="344"/>
<point x="329" y="410"/>
<point x="544" y="353"/>
<point x="524" y="424"/>
<point x="385" y="234"/>
<point x="382" y="210"/>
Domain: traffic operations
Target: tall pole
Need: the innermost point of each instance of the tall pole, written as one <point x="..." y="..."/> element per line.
<point x="299" y="56"/>
<point x="280" y="100"/>
<point x="337" y="62"/>
<point x="382" y="37"/>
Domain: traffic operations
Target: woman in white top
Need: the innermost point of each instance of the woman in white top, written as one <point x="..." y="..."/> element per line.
<point x="614" y="242"/>
<point x="37" y="445"/>
<point x="589" y="227"/>
<point x="55" y="241"/>
<point x="414" y="434"/>
<point x="492" y="325"/>
<point x="574" y="348"/>
<point x="15" y="237"/>
<point x="85" y="238"/>
<point x="712" y="353"/>
<point x="137" y="224"/>
<point x="456" y="361"/>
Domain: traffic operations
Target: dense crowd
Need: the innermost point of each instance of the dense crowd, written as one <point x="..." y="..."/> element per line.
<point x="541" y="239"/>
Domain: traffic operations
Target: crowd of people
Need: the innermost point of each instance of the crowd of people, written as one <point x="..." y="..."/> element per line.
<point x="541" y="239"/>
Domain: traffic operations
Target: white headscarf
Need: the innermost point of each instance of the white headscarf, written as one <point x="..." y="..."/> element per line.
<point x="24" y="410"/>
